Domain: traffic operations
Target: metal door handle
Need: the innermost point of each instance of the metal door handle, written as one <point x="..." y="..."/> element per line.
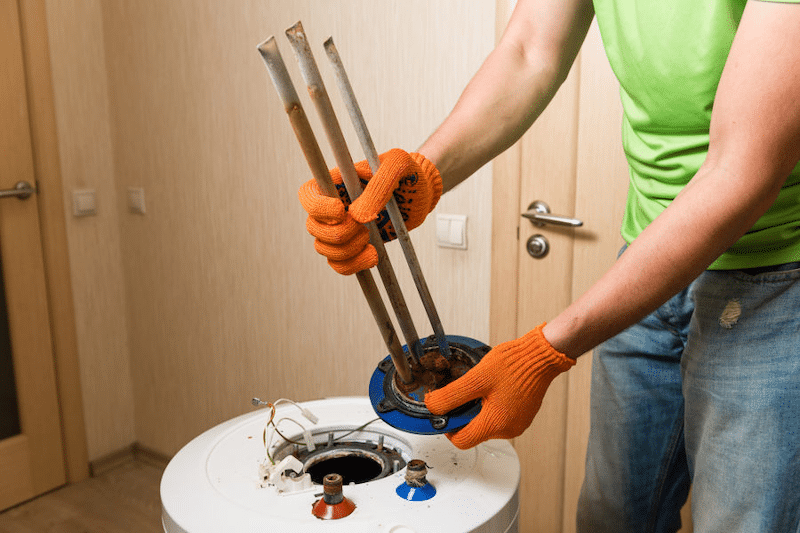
<point x="21" y="190"/>
<point x="539" y="215"/>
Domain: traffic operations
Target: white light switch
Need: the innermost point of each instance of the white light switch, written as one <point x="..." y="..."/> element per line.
<point x="442" y="230"/>
<point x="83" y="203"/>
<point x="451" y="231"/>
<point x="136" y="200"/>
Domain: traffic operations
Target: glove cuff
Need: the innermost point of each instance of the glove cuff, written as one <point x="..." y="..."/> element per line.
<point x="533" y="354"/>
<point x="434" y="176"/>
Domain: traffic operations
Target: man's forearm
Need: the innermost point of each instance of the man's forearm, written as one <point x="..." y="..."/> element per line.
<point x="707" y="217"/>
<point x="488" y="117"/>
<point x="512" y="87"/>
<point x="754" y="143"/>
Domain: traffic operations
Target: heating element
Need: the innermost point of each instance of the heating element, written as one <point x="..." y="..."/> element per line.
<point x="407" y="369"/>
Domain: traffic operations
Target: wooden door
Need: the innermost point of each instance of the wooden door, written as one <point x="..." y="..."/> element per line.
<point x="572" y="159"/>
<point x="31" y="455"/>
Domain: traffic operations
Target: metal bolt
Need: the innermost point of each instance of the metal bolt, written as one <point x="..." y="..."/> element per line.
<point x="416" y="470"/>
<point x="332" y="489"/>
<point x="439" y="422"/>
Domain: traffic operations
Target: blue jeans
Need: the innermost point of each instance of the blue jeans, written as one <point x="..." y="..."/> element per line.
<point x="703" y="392"/>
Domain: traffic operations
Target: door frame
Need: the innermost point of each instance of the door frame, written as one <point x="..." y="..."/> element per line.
<point x="47" y="169"/>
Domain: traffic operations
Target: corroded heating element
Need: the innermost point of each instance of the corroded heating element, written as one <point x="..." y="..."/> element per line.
<point x="322" y="103"/>
<point x="319" y="169"/>
<point x="364" y="137"/>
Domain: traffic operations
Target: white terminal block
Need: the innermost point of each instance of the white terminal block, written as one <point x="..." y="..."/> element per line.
<point x="451" y="231"/>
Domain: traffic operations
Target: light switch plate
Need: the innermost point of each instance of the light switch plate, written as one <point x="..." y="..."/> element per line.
<point x="451" y="231"/>
<point x="136" y="200"/>
<point x="84" y="203"/>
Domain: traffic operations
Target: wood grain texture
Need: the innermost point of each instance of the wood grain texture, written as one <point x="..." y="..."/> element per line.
<point x="47" y="169"/>
<point x="36" y="457"/>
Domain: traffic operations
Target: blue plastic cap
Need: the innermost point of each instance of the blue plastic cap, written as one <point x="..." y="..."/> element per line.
<point x="416" y="494"/>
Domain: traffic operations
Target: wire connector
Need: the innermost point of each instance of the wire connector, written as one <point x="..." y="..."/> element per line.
<point x="309" y="441"/>
<point x="287" y="476"/>
<point x="311" y="417"/>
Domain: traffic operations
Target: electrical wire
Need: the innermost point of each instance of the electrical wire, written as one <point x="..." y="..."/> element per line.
<point x="356" y="430"/>
<point x="284" y="437"/>
<point x="271" y="422"/>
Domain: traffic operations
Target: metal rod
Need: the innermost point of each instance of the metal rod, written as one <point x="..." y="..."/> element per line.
<point x="396" y="217"/>
<point x="316" y="162"/>
<point x="322" y="103"/>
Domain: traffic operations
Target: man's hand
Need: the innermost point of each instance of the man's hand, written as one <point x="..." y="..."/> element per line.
<point x="511" y="379"/>
<point x="337" y="223"/>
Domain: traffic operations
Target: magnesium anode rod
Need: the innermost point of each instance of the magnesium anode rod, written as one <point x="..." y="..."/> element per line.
<point x="316" y="162"/>
<point x="322" y="103"/>
<point x="396" y="217"/>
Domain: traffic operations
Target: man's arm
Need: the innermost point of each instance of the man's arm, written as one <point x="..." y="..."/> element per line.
<point x="512" y="87"/>
<point x="754" y="145"/>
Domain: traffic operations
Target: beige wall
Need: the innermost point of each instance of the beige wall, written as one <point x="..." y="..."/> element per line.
<point x="83" y="120"/>
<point x="216" y="295"/>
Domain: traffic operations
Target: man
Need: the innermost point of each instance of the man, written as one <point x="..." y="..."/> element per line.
<point x="697" y="379"/>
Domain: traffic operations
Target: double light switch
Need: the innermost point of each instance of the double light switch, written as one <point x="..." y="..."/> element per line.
<point x="451" y="231"/>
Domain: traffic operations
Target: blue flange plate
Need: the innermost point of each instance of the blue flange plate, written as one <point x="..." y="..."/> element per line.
<point x="416" y="423"/>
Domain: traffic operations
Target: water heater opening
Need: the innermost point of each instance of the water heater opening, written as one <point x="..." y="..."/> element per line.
<point x="357" y="456"/>
<point x="354" y="468"/>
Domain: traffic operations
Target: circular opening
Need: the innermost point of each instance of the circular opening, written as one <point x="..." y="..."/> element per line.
<point x="358" y="455"/>
<point x="353" y="469"/>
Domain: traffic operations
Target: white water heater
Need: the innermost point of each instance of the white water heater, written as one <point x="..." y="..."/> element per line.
<point x="265" y="472"/>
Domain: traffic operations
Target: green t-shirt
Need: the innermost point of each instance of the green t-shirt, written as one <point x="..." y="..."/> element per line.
<point x="668" y="57"/>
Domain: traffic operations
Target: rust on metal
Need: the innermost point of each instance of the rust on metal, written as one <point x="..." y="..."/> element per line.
<point x="416" y="472"/>
<point x="332" y="488"/>
<point x="305" y="135"/>
<point x="333" y="505"/>
<point x="333" y="131"/>
<point x="432" y="372"/>
<point x="360" y="125"/>
<point x="314" y="91"/>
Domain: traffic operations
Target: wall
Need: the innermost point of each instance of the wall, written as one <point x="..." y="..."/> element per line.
<point x="215" y="295"/>
<point x="83" y="120"/>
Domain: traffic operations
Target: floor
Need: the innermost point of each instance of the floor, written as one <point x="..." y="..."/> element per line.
<point x="122" y="500"/>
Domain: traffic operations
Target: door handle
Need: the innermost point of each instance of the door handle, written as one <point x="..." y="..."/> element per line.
<point x="539" y="215"/>
<point x="21" y="190"/>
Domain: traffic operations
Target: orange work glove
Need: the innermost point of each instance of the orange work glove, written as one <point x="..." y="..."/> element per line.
<point x="338" y="225"/>
<point x="512" y="379"/>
